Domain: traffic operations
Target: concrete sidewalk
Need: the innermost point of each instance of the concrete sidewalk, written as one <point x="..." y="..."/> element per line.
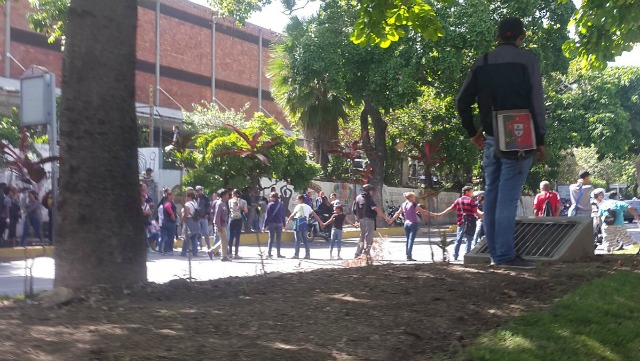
<point x="161" y="269"/>
<point x="246" y="239"/>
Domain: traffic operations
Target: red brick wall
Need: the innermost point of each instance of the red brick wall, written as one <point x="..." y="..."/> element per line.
<point x="185" y="55"/>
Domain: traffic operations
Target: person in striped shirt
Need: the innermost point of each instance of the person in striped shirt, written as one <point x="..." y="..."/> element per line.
<point x="467" y="214"/>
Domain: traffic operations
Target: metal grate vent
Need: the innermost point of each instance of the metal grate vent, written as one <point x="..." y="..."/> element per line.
<point x="557" y="238"/>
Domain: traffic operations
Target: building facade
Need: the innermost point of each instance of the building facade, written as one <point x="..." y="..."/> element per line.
<point x="200" y="58"/>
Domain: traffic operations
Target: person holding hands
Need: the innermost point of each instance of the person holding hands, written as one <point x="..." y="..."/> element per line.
<point x="410" y="209"/>
<point x="338" y="219"/>
<point x="466" y="215"/>
<point x="300" y="215"/>
<point x="274" y="222"/>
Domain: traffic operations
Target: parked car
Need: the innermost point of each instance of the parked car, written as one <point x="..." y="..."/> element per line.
<point x="627" y="215"/>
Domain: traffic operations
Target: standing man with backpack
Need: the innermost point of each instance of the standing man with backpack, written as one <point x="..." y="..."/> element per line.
<point x="202" y="216"/>
<point x="579" y="193"/>
<point x="612" y="220"/>
<point x="547" y="202"/>
<point x="366" y="210"/>
<point x="506" y="84"/>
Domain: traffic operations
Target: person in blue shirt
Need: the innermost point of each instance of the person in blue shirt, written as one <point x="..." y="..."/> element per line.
<point x="616" y="231"/>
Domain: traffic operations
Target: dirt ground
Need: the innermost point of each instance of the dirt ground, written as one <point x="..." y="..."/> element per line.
<point x="391" y="312"/>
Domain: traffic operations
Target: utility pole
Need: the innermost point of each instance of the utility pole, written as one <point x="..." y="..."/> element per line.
<point x="260" y="70"/>
<point x="213" y="58"/>
<point x="7" y="40"/>
<point x="151" y="116"/>
<point x="157" y="90"/>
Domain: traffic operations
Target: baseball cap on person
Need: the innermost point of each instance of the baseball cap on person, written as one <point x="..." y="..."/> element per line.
<point x="510" y="29"/>
<point x="584" y="174"/>
<point x="199" y="188"/>
<point x="367" y="187"/>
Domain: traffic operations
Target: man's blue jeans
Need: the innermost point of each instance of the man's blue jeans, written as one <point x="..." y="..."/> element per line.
<point x="503" y="186"/>
<point x="411" y="231"/>
<point x="336" y="239"/>
<point x="479" y="232"/>
<point x="235" y="230"/>
<point x="169" y="233"/>
<point x="301" y="236"/>
<point x="461" y="235"/>
<point x="204" y="232"/>
<point x="275" y="234"/>
<point x="35" y="223"/>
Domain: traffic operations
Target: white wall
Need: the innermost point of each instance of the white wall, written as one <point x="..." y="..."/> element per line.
<point x="392" y="195"/>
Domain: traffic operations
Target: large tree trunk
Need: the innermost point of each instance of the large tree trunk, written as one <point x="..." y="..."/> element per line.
<point x="100" y="231"/>
<point x="377" y="150"/>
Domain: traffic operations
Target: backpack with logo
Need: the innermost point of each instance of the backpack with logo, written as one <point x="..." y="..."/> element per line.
<point x="514" y="130"/>
<point x="610" y="217"/>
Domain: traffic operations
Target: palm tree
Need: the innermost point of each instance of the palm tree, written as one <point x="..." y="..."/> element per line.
<point x="308" y="101"/>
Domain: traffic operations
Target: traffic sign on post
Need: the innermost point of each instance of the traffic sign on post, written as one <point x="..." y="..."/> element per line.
<point x="37" y="99"/>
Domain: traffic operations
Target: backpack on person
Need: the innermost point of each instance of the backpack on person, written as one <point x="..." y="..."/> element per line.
<point x="197" y="213"/>
<point x="610" y="217"/>
<point x="360" y="207"/>
<point x="469" y="224"/>
<point x="547" y="209"/>
<point x="573" y="210"/>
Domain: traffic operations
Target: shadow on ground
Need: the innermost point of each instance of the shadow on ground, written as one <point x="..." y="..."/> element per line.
<point x="390" y="312"/>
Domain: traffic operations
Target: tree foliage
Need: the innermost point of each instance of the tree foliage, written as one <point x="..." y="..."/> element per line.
<point x="207" y="117"/>
<point x="287" y="160"/>
<point x="49" y="18"/>
<point x="595" y="109"/>
<point x="603" y="30"/>
<point x="377" y="21"/>
<point x="10" y="128"/>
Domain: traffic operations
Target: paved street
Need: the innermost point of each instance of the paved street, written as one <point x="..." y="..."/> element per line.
<point x="162" y="269"/>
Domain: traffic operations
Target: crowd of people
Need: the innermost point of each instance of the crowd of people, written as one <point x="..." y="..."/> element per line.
<point x="226" y="213"/>
<point x="25" y="205"/>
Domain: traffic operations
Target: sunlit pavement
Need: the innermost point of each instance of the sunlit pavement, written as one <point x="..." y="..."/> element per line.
<point x="162" y="269"/>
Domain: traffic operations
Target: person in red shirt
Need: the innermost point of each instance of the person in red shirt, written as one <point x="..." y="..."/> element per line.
<point x="546" y="194"/>
<point x="466" y="215"/>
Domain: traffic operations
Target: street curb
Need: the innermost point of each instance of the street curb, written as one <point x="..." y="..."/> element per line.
<point x="21" y="253"/>
<point x="246" y="239"/>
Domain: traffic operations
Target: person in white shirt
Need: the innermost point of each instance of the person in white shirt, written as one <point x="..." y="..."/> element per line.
<point x="301" y="214"/>
<point x="237" y="211"/>
<point x="334" y="200"/>
<point x="191" y="226"/>
<point x="579" y="192"/>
